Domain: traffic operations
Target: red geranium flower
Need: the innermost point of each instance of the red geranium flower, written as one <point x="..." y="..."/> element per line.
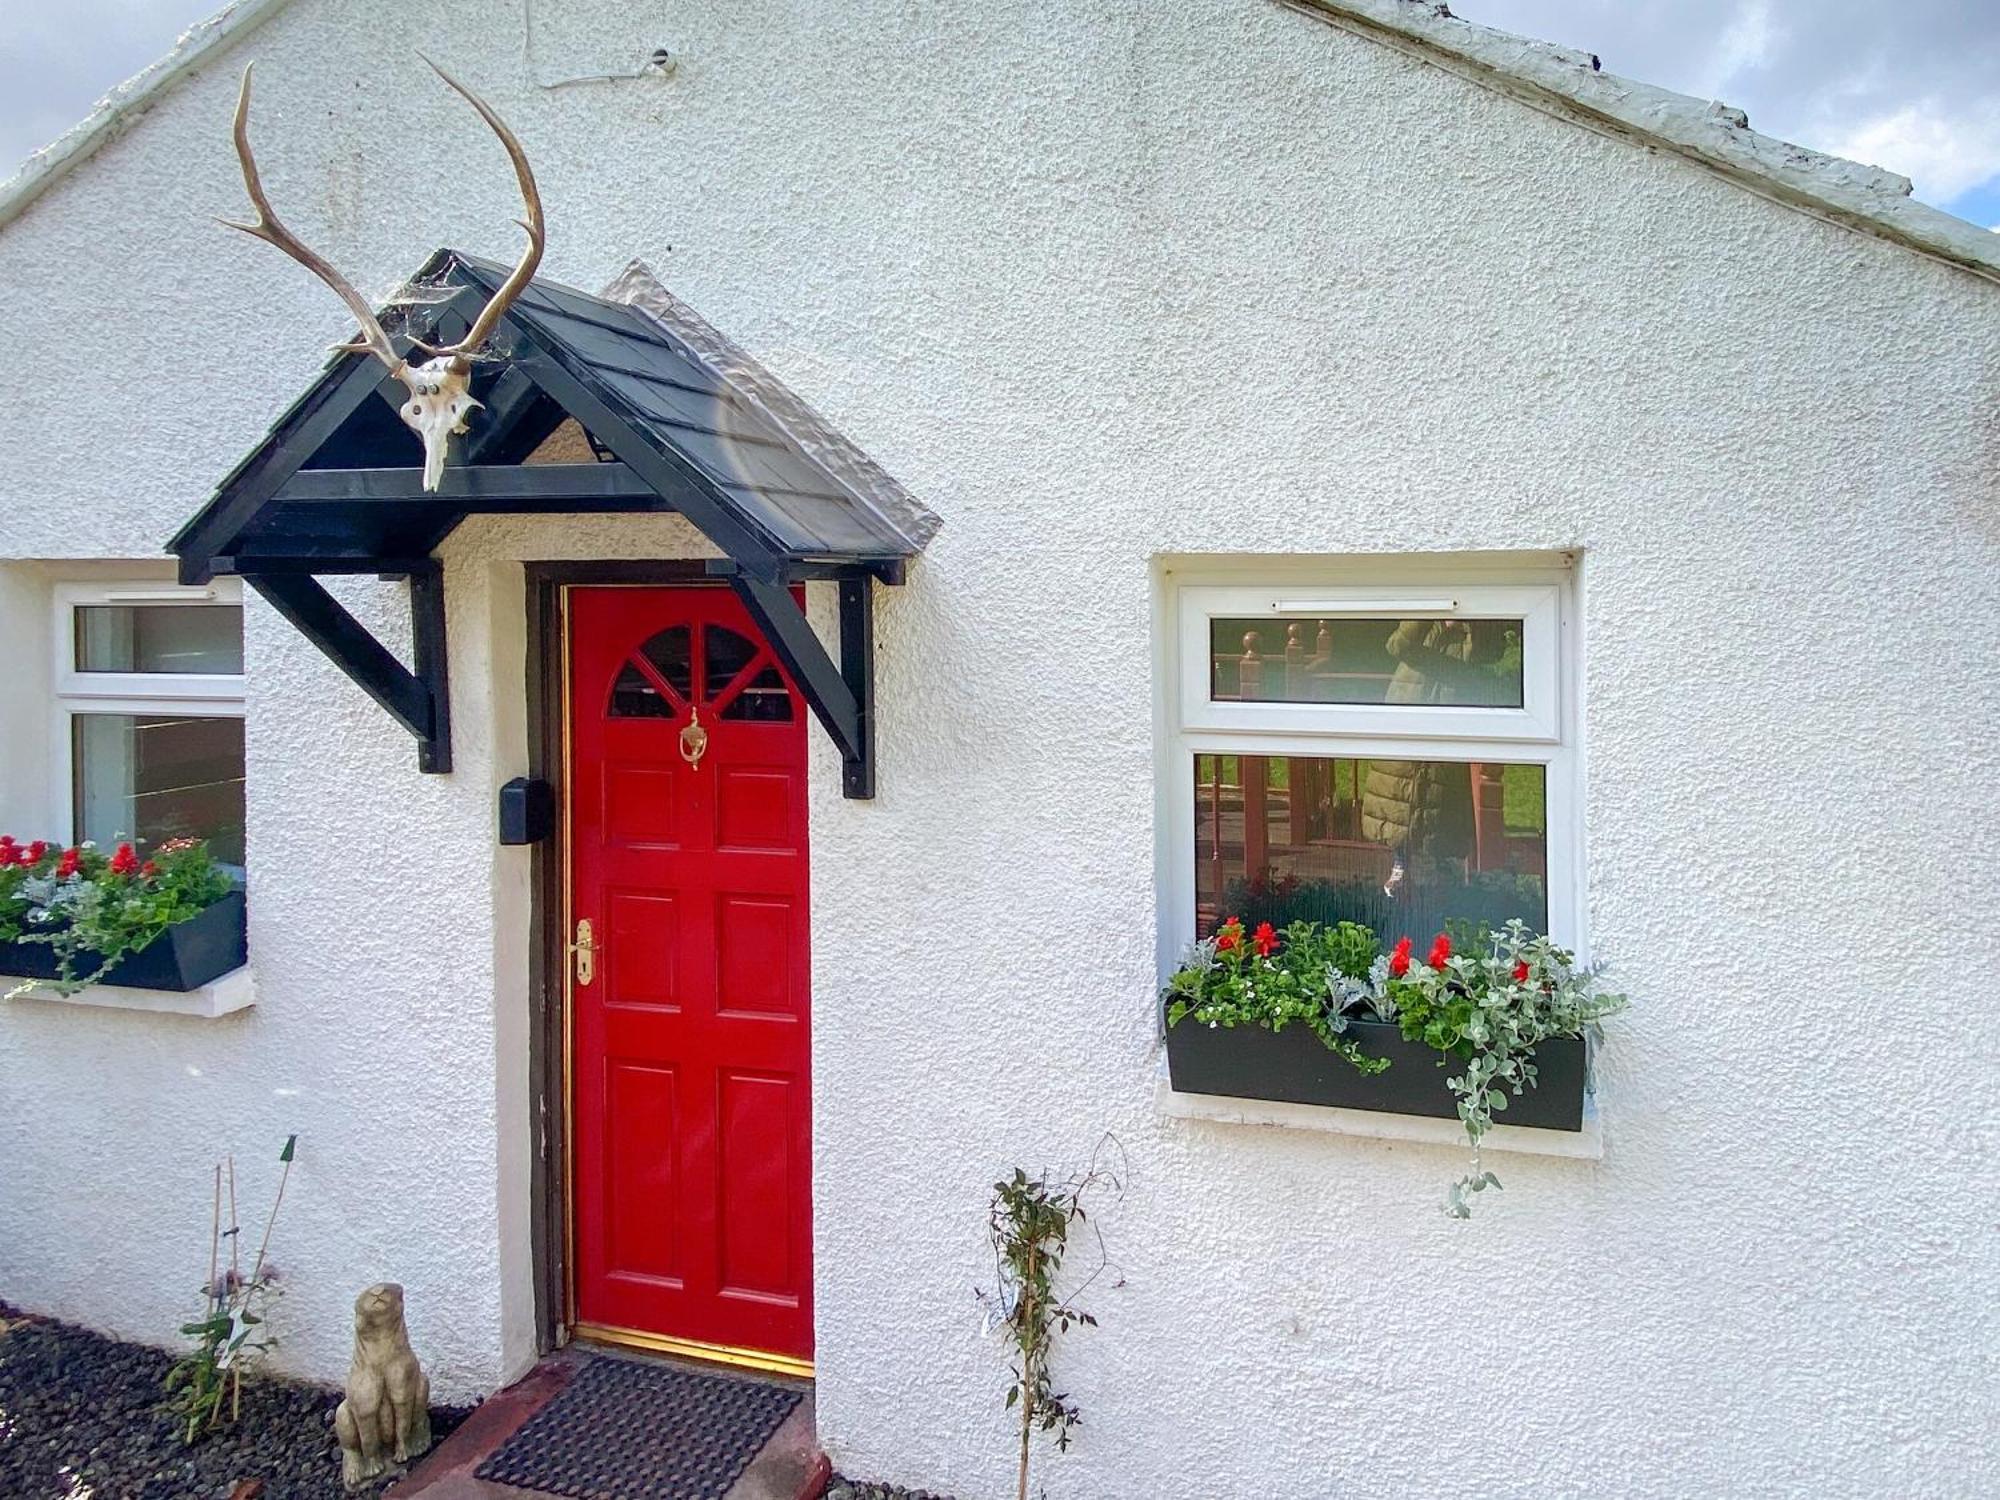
<point x="1229" y="935"/>
<point x="1440" y="952"/>
<point x="1266" y="939"/>
<point x="66" y="866"/>
<point x="1521" y="972"/>
<point x="1399" y="959"/>
<point x="35" y="852"/>
<point x="124" y="861"/>
<point x="149" y="868"/>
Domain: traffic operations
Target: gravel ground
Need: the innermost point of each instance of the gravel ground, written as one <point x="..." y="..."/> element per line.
<point x="848" y="1489"/>
<point x="82" y="1416"/>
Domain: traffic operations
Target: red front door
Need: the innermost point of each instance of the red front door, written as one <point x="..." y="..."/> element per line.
<point x="691" y="1116"/>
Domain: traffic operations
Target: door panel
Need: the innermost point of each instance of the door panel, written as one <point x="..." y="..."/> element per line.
<point x="691" y="1090"/>
<point x="641" y="944"/>
<point x="639" y="1171"/>
<point x="757" y="1159"/>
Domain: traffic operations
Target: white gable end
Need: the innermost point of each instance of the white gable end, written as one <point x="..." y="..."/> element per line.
<point x="1124" y="294"/>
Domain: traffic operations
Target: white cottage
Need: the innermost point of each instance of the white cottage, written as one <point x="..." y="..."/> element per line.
<point x="928" y="549"/>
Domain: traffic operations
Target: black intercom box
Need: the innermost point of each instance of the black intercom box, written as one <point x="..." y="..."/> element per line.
<point x="527" y="811"/>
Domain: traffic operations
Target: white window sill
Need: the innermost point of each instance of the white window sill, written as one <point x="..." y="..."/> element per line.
<point x="234" y="991"/>
<point x="1587" y="1143"/>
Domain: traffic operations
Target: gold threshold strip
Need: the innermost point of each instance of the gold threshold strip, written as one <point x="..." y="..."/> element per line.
<point x="660" y="1343"/>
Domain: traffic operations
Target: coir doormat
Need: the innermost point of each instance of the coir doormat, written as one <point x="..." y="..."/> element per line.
<point x="626" y="1430"/>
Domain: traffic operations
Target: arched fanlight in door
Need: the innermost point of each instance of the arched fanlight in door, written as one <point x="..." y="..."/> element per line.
<point x="739" y="680"/>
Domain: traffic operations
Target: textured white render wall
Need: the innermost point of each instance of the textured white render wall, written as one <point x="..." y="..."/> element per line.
<point x="1101" y="282"/>
<point x="24" y="729"/>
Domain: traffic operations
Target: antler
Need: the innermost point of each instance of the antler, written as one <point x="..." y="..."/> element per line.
<point x="373" y="340"/>
<point x="441" y="387"/>
<point x="531" y="199"/>
<point x="272" y="231"/>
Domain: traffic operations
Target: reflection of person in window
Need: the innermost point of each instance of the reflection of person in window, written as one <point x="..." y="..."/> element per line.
<point x="1422" y="810"/>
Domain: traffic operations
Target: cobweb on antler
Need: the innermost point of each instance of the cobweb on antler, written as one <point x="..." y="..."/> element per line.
<point x="413" y="309"/>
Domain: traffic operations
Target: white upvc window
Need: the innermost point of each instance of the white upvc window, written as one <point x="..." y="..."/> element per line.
<point x="148" y="730"/>
<point x="1401" y="753"/>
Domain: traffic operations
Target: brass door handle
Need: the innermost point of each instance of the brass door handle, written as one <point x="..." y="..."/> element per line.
<point x="585" y="950"/>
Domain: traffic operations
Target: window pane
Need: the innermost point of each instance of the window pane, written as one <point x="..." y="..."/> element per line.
<point x="633" y="696"/>
<point x="1404" y="846"/>
<point x="1460" y="663"/>
<point x="157" y="777"/>
<point x="724" y="653"/>
<point x="671" y="654"/>
<point x="159" y="638"/>
<point x="764" y="698"/>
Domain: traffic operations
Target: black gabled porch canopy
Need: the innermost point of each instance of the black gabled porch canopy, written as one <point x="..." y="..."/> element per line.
<point x="670" y="417"/>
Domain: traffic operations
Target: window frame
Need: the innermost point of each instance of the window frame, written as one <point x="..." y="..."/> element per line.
<point x="1544" y="732"/>
<point x="203" y="695"/>
<point x="1536" y="606"/>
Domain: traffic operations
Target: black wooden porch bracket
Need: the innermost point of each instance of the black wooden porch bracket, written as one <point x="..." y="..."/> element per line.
<point x="419" y="699"/>
<point x="842" y="696"/>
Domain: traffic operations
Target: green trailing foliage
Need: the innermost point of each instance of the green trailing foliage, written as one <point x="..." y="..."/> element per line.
<point x="1488" y="1007"/>
<point x="1271" y="979"/>
<point x="1484" y="998"/>
<point x="85" y="904"/>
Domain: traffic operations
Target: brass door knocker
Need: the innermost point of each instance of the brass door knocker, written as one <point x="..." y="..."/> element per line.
<point x="694" y="739"/>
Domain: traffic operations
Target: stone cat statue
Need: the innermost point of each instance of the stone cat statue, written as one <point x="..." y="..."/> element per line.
<point x="385" y="1422"/>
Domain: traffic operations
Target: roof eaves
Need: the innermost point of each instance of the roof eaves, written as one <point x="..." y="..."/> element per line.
<point x="125" y="105"/>
<point x="1570" y="84"/>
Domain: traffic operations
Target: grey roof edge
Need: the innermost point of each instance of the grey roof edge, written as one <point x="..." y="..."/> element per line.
<point x="1542" y="74"/>
<point x="122" y="108"/>
<point x="1568" y="83"/>
<point x="872" y="486"/>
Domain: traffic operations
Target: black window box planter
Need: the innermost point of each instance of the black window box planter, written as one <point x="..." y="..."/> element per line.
<point x="1295" y="1067"/>
<point x="185" y="957"/>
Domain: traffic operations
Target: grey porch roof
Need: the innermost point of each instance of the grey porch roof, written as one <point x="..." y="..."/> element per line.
<point x="687" y="421"/>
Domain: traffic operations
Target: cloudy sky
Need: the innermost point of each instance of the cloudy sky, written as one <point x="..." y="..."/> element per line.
<point x="1912" y="85"/>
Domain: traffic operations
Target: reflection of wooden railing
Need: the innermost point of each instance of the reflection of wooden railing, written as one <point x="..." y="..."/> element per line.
<point x="1310" y="810"/>
<point x="1489" y="816"/>
<point x="1311" y="814"/>
<point x="1297" y="674"/>
<point x="1215" y="869"/>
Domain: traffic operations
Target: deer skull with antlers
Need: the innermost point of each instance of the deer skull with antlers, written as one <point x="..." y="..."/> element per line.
<point x="441" y="386"/>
